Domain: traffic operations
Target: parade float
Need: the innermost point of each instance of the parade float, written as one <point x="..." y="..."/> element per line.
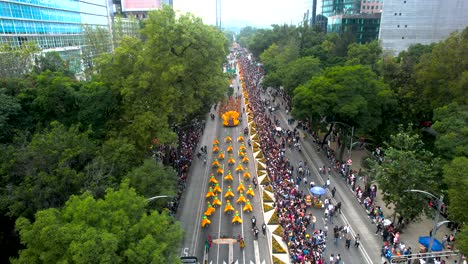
<point x="230" y="111"/>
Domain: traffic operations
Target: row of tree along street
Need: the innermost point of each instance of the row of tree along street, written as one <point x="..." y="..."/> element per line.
<point x="76" y="158"/>
<point x="389" y="101"/>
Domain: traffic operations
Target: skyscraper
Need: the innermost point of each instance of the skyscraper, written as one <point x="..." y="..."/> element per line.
<point x="53" y="25"/>
<point x="407" y="22"/>
<point x="337" y="7"/>
<point x="49" y="23"/>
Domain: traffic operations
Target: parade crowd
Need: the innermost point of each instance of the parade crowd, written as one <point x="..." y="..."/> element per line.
<point x="290" y="206"/>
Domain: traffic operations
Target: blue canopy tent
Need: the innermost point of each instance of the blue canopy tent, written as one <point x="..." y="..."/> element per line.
<point x="436" y="245"/>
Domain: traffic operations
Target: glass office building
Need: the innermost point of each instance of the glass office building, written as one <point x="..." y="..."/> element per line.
<point x="337" y="7"/>
<point x="49" y="23"/>
<point x="53" y="25"/>
<point x="364" y="27"/>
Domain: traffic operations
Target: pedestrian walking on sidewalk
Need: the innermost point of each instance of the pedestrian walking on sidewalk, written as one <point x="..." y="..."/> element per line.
<point x="264" y="229"/>
<point x="338" y="207"/>
<point x="336" y="234"/>
<point x="357" y="241"/>
<point x="338" y="259"/>
<point x="348" y="240"/>
<point x="379" y="227"/>
<point x="333" y="191"/>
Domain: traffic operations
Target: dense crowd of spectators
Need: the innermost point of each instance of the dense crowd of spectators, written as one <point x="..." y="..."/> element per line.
<point x="304" y="246"/>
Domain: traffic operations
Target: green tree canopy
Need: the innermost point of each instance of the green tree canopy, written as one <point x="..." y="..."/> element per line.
<point x="365" y="54"/>
<point x="451" y="125"/>
<point x="116" y="229"/>
<point x="455" y="177"/>
<point x="349" y="94"/>
<point x="299" y="72"/>
<point x="173" y="74"/>
<point x="48" y="170"/>
<point x="153" y="179"/>
<point x="9" y="110"/>
<point x="443" y="73"/>
<point x="406" y="166"/>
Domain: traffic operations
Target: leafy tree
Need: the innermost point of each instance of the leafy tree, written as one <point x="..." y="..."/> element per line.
<point x="48" y="170"/>
<point x="299" y="72"/>
<point x="116" y="229"/>
<point x="17" y="61"/>
<point x="51" y="61"/>
<point x="365" y="54"/>
<point x="9" y="110"/>
<point x="443" y="73"/>
<point x="174" y="73"/>
<point x="455" y="177"/>
<point x="349" y="94"/>
<point x="98" y="41"/>
<point x="116" y="157"/>
<point x="56" y="98"/>
<point x="96" y="106"/>
<point x="244" y="38"/>
<point x="451" y="125"/>
<point x="153" y="179"/>
<point x="274" y="59"/>
<point x="406" y="166"/>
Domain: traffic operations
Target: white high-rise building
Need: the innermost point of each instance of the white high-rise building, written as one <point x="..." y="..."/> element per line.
<point x="407" y="22"/>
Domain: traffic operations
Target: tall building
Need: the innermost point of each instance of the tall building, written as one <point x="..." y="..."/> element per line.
<point x="364" y="27"/>
<point x="371" y="6"/>
<point x="407" y="22"/>
<point x="337" y="7"/>
<point x="50" y="24"/>
<point x="53" y="25"/>
<point x="137" y="8"/>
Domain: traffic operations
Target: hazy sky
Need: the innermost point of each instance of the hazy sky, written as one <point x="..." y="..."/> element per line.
<point x="260" y="13"/>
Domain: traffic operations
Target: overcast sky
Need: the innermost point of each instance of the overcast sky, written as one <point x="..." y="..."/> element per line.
<point x="259" y="13"/>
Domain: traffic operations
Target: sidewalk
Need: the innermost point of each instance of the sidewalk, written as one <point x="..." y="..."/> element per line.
<point x="412" y="231"/>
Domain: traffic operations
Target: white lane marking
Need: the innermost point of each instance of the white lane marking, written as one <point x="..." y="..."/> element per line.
<point x="220" y="211"/>
<point x="257" y="252"/>
<point x="201" y="204"/>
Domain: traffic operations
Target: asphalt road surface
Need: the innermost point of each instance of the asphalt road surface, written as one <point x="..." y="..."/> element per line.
<point x="225" y="248"/>
<point x="193" y="205"/>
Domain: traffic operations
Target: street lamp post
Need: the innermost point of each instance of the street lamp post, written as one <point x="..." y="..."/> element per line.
<point x="436" y="218"/>
<point x="160" y="196"/>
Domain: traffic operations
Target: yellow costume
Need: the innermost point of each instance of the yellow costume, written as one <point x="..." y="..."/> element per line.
<point x="209" y="210"/>
<point x="247" y="174"/>
<point x="241" y="199"/>
<point x="205" y="221"/>
<point x="239" y="168"/>
<point x="216" y="201"/>
<point x="240" y="139"/>
<point x="228" y="139"/>
<point x="228" y="177"/>
<point x="245" y="160"/>
<point x="209" y="193"/>
<point x="242" y="148"/>
<point x="215" y="142"/>
<point x="215" y="149"/>
<point x="229" y="193"/>
<point x="231" y="160"/>
<point x="241" y="187"/>
<point x="213" y="179"/>
<point x="248" y="207"/>
<point x="229" y="149"/>
<point x="216" y="189"/>
<point x="221" y="155"/>
<point x="250" y="191"/>
<point x="215" y="164"/>
<point x="228" y="207"/>
<point x="236" y="218"/>
<point x="220" y="171"/>
<point x="241" y="154"/>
